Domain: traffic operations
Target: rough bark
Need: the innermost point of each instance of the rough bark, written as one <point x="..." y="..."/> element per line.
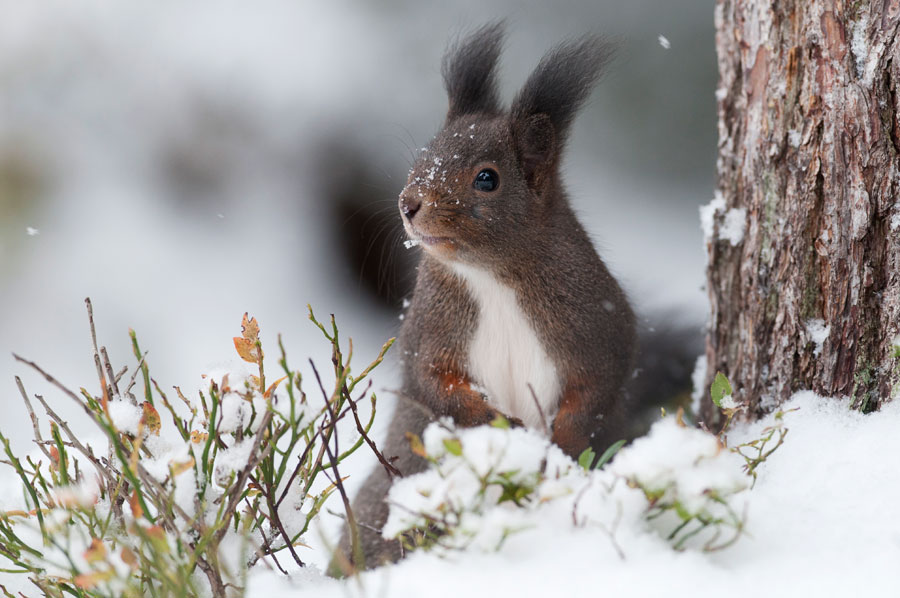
<point x="809" y="147"/>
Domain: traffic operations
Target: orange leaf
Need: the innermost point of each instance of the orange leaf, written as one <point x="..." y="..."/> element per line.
<point x="95" y="552"/>
<point x="181" y="467"/>
<point x="151" y="417"/>
<point x="246" y="344"/>
<point x="197" y="437"/>
<point x="272" y="387"/>
<point x="128" y="557"/>
<point x="54" y="457"/>
<point x="135" y="504"/>
<point x="416" y="445"/>
<point x="157" y="537"/>
<point x="86" y="581"/>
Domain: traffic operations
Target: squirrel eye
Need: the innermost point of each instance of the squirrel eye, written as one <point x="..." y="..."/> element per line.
<point x="486" y="180"/>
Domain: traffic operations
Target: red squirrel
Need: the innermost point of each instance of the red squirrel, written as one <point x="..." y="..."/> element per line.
<point x="513" y="311"/>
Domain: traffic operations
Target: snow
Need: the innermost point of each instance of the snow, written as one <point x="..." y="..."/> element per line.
<point x="125" y="415"/>
<point x="794" y="137"/>
<point x="895" y="221"/>
<point x="733" y="226"/>
<point x="664" y="42"/>
<point x="708" y="215"/>
<point x="859" y="43"/>
<point x="233" y="459"/>
<point x="31" y="231"/>
<point x="820" y="502"/>
<point x="733" y="223"/>
<point x="818" y="333"/>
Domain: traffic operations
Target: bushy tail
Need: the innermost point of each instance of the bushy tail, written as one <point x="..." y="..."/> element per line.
<point x="668" y="351"/>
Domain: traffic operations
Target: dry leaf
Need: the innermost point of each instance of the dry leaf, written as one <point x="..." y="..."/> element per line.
<point x="180" y="467"/>
<point x="246" y="344"/>
<point x="151" y="418"/>
<point x="197" y="437"/>
<point x="128" y="557"/>
<point x="95" y="552"/>
<point x="54" y="458"/>
<point x="415" y="445"/>
<point x="157" y="536"/>
<point x="135" y="504"/>
<point x="272" y="387"/>
<point x="86" y="581"/>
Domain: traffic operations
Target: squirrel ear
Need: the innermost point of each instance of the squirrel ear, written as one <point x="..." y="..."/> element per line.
<point x="469" y="70"/>
<point x="555" y="91"/>
<point x="535" y="143"/>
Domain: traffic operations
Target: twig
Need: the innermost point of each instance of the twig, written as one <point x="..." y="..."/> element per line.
<point x="34" y="420"/>
<point x="109" y="372"/>
<point x="540" y="410"/>
<point x="390" y="469"/>
<point x="355" y="547"/>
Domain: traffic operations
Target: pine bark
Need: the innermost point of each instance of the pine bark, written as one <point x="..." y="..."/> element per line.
<point x="809" y="148"/>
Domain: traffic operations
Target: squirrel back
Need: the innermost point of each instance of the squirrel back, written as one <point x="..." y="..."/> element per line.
<point x="513" y="311"/>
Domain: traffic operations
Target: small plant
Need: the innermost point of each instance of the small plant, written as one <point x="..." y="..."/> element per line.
<point x="233" y="481"/>
<point x="756" y="451"/>
<point x="488" y="483"/>
<point x="690" y="483"/>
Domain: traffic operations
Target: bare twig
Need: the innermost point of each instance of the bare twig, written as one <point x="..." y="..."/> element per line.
<point x="109" y="372"/>
<point x="540" y="411"/>
<point x="34" y="419"/>
<point x="388" y="467"/>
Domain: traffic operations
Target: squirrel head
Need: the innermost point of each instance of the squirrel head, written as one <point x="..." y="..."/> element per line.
<point x="489" y="180"/>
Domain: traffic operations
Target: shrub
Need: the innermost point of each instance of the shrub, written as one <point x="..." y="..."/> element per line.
<point x="185" y="507"/>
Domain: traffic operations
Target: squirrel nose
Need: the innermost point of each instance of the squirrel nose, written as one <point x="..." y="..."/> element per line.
<point x="409" y="206"/>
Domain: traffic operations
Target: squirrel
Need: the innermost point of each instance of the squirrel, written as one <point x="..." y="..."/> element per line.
<point x="513" y="311"/>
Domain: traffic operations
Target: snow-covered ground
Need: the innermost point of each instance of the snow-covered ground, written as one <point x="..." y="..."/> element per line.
<point x="819" y="522"/>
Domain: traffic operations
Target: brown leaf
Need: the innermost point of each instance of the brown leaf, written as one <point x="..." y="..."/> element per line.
<point x="86" y="581"/>
<point x="197" y="437"/>
<point x="135" y="504"/>
<point x="95" y="552"/>
<point x="151" y="418"/>
<point x="157" y="536"/>
<point x="416" y="445"/>
<point x="272" y="387"/>
<point x="246" y="344"/>
<point x="54" y="457"/>
<point x="128" y="557"/>
<point x="180" y="467"/>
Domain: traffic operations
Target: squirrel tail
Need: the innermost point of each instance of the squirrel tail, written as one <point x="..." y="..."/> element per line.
<point x="667" y="354"/>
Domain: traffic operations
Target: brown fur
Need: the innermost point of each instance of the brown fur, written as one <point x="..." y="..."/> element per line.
<point x="526" y="235"/>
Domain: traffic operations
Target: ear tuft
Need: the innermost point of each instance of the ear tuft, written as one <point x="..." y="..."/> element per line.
<point x="469" y="70"/>
<point x="562" y="82"/>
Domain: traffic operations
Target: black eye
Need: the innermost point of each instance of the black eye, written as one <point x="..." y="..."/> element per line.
<point x="486" y="180"/>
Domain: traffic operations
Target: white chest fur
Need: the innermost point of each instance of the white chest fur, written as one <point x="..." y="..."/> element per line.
<point x="505" y="354"/>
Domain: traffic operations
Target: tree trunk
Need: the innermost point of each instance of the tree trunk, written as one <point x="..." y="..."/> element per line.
<point x="804" y="236"/>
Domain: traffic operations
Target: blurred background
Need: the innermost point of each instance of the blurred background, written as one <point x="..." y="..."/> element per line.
<point x="182" y="162"/>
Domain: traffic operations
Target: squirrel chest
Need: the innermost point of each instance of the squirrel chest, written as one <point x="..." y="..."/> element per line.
<point x="505" y="356"/>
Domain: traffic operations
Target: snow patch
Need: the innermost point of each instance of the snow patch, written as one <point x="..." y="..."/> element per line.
<point x="708" y="216"/>
<point x="733" y="226"/>
<point x="664" y="42"/>
<point x="818" y="333"/>
<point x="125" y="415"/>
<point x="859" y="44"/>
